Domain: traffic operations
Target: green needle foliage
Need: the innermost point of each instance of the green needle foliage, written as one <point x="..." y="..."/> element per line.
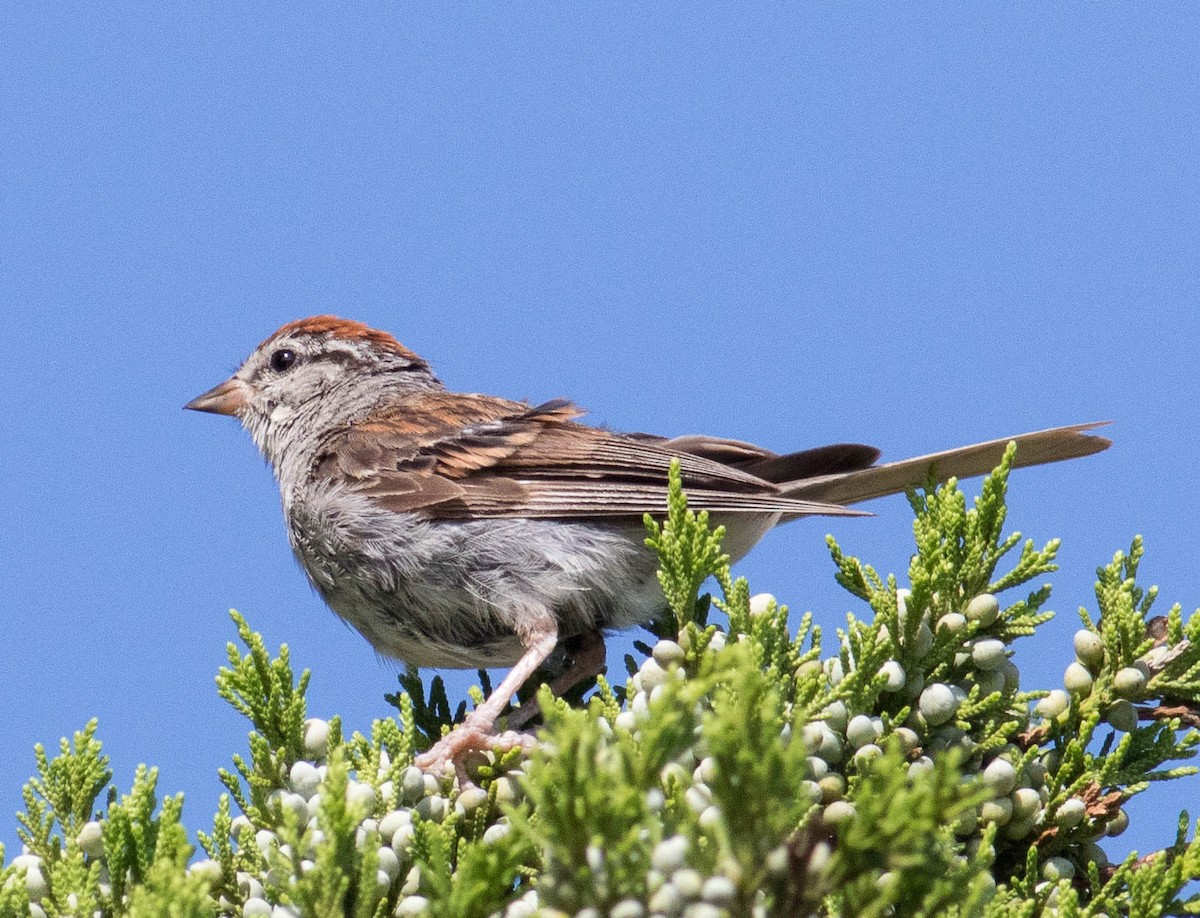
<point x="745" y="769"/>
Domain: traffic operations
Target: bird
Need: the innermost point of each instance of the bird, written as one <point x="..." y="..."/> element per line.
<point x="459" y="530"/>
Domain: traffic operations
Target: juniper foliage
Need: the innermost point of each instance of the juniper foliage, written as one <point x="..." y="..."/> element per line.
<point x="750" y="769"/>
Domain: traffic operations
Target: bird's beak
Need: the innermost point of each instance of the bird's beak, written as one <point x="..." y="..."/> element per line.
<point x="227" y="398"/>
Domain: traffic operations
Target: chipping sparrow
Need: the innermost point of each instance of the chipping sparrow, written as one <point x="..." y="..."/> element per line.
<point x="471" y="531"/>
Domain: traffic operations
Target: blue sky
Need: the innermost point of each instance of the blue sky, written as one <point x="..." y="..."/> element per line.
<point x="796" y="224"/>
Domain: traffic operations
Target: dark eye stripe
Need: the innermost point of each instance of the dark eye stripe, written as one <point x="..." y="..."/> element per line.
<point x="284" y="358"/>
<point x="350" y="358"/>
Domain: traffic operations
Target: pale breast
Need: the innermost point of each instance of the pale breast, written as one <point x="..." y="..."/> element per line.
<point x="449" y="593"/>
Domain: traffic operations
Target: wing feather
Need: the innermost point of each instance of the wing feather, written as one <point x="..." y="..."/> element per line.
<point x="451" y="456"/>
<point x="463" y="457"/>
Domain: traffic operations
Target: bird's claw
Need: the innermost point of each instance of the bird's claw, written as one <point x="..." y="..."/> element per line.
<point x="468" y="737"/>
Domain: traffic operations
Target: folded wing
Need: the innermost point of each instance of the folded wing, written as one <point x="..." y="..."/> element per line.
<point x="451" y="456"/>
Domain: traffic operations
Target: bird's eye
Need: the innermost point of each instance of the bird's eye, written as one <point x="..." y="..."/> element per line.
<point x="283" y="359"/>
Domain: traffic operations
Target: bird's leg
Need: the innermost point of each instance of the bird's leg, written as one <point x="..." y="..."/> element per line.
<point x="587" y="660"/>
<point x="475" y="732"/>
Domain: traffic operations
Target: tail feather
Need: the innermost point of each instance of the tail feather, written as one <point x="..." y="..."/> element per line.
<point x="1043" y="446"/>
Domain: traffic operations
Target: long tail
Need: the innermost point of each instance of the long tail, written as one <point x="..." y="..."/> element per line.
<point x="854" y="486"/>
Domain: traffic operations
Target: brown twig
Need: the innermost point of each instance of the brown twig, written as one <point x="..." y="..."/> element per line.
<point x="1187" y="714"/>
<point x="1107" y="872"/>
<point x="1100" y="807"/>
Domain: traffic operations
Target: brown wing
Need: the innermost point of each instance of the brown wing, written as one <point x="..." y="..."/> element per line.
<point x="455" y="456"/>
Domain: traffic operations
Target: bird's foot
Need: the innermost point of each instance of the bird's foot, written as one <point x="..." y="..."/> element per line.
<point x="470" y="736"/>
